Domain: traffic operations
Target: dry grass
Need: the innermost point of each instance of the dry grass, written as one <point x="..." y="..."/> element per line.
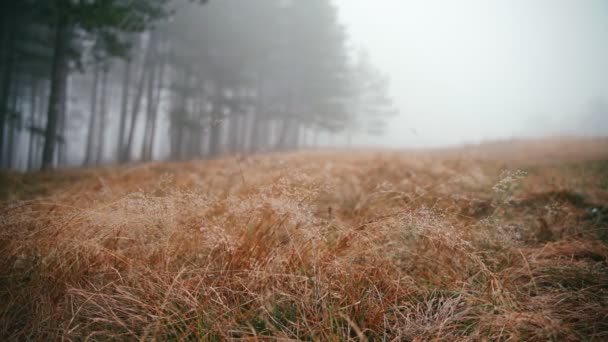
<point x="458" y="244"/>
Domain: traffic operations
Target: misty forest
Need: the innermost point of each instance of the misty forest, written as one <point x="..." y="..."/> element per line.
<point x="106" y="82"/>
<point x="303" y="170"/>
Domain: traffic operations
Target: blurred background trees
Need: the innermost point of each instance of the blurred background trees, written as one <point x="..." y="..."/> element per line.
<point x="91" y="82"/>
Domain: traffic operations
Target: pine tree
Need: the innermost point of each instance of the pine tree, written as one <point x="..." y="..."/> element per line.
<point x="101" y="19"/>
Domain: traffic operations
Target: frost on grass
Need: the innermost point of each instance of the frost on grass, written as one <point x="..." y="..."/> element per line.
<point x="321" y="246"/>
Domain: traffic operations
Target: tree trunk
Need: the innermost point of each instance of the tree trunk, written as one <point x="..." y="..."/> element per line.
<point x="103" y="115"/>
<point x="263" y="135"/>
<point x="256" y="115"/>
<point x="181" y="142"/>
<point x="58" y="81"/>
<point x="93" y="118"/>
<point x="254" y="131"/>
<point x="159" y="90"/>
<point x="282" y="141"/>
<point x="137" y="103"/>
<point x="12" y="127"/>
<point x="62" y="142"/>
<point x="294" y="138"/>
<point x="199" y="135"/>
<point x="215" y="134"/>
<point x="39" y="138"/>
<point x="126" y="155"/>
<point x="145" y="145"/>
<point x="202" y="144"/>
<point x="215" y="128"/>
<point x="192" y="144"/>
<point x="33" y="116"/>
<point x="7" y="80"/>
<point x="126" y="84"/>
<point x="233" y="133"/>
<point x="243" y="130"/>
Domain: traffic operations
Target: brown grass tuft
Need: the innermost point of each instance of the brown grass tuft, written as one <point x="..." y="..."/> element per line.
<point x="419" y="245"/>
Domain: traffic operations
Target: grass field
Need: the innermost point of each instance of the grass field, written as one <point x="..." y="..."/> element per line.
<point x="504" y="241"/>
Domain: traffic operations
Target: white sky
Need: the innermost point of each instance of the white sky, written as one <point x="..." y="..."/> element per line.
<point x="465" y="70"/>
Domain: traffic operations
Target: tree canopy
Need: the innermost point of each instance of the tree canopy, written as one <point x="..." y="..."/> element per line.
<point x="122" y="80"/>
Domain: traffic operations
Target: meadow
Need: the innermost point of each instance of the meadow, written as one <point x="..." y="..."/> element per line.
<point x="503" y="241"/>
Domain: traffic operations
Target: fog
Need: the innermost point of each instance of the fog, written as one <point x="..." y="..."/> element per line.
<point x="108" y="82"/>
<point x="472" y="70"/>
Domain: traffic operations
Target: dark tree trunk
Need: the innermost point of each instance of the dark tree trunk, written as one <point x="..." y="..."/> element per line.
<point x="126" y="84"/>
<point x="92" y="119"/>
<point x="154" y="96"/>
<point x="197" y="148"/>
<point x="176" y="113"/>
<point x="126" y="155"/>
<point x="159" y="90"/>
<point x="103" y="115"/>
<point x="62" y="142"/>
<point x="12" y="127"/>
<point x="33" y="124"/>
<point x="152" y="136"/>
<point x="58" y="81"/>
<point x="149" y="113"/>
<point x="7" y="80"/>
<point x="39" y="138"/>
<point x="148" y="117"/>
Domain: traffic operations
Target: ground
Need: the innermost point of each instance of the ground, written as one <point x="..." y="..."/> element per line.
<point x="503" y="241"/>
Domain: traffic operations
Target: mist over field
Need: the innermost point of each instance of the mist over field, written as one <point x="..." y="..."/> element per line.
<point x="471" y="70"/>
<point x="304" y="170"/>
